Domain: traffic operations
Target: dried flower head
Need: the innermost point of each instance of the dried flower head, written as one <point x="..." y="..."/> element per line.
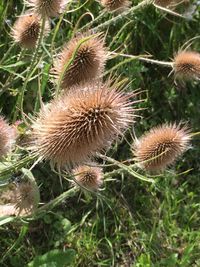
<point x="71" y="129"/>
<point x="26" y="30"/>
<point x="26" y="197"/>
<point x="49" y="8"/>
<point x="115" y="5"/>
<point x="187" y="65"/>
<point x="161" y="146"/>
<point x="7" y="137"/>
<point x="21" y="198"/>
<point x="89" y="177"/>
<point x="87" y="64"/>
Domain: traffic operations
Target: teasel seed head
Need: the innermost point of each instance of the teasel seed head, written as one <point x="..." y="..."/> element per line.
<point x="80" y="123"/>
<point x="21" y="198"/>
<point x="88" y="63"/>
<point x="89" y="177"/>
<point x="27" y="195"/>
<point x="187" y="65"/>
<point x="161" y="146"/>
<point x="26" y="30"/>
<point x="7" y="137"/>
<point x="115" y="5"/>
<point x="48" y="8"/>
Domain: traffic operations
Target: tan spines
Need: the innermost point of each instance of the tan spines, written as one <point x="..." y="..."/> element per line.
<point x="26" y="198"/>
<point x="87" y="65"/>
<point x="81" y="123"/>
<point x="161" y="146"/>
<point x="48" y="8"/>
<point x="7" y="137"/>
<point x="115" y="5"/>
<point x="89" y="177"/>
<point x="20" y="198"/>
<point x="187" y="65"/>
<point x="26" y="30"/>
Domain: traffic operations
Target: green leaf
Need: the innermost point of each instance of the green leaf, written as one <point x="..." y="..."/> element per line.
<point x="4" y="220"/>
<point x="54" y="258"/>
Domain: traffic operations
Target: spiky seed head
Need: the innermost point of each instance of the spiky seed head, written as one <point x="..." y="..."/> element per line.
<point x="115" y="5"/>
<point x="87" y="65"/>
<point x="161" y="146"/>
<point x="187" y="65"/>
<point x="7" y="137"/>
<point x="86" y="120"/>
<point x="89" y="177"/>
<point x="21" y="198"/>
<point x="48" y="8"/>
<point x="26" y="30"/>
<point x="26" y="197"/>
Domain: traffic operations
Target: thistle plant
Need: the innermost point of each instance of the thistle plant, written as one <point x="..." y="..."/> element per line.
<point x="77" y="102"/>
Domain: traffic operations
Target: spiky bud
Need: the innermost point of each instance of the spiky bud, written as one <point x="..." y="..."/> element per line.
<point x="187" y="65"/>
<point x="115" y="5"/>
<point x="49" y="8"/>
<point x="71" y="129"/>
<point x="7" y="137"/>
<point x="161" y="146"/>
<point x="26" y="30"/>
<point x="89" y="177"/>
<point x="87" y="64"/>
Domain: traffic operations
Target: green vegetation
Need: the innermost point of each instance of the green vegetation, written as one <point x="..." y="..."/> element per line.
<point x="130" y="222"/>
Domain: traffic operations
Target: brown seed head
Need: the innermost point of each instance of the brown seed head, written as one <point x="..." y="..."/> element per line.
<point x="49" y="8"/>
<point x="7" y="137"/>
<point x="89" y="177"/>
<point x="87" y="65"/>
<point x="79" y="124"/>
<point x="161" y="146"/>
<point x="21" y="198"/>
<point x="26" y="30"/>
<point x="187" y="65"/>
<point x="115" y="5"/>
<point x="26" y="197"/>
<point x="169" y="3"/>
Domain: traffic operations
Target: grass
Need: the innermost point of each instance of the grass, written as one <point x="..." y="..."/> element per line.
<point x="130" y="222"/>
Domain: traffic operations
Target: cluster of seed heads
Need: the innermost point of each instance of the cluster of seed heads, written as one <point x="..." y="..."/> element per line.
<point x="89" y="114"/>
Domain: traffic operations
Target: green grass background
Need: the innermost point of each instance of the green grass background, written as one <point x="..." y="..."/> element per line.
<point x="133" y="222"/>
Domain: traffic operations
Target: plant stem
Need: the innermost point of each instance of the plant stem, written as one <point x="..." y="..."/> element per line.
<point x="119" y="17"/>
<point x="148" y="60"/>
